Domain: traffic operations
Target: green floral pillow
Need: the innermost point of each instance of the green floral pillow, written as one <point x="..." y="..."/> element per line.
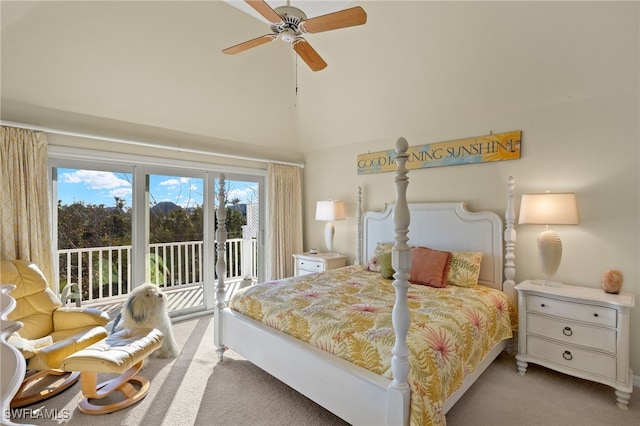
<point x="384" y="261"/>
<point x="464" y="268"/>
<point x="381" y="248"/>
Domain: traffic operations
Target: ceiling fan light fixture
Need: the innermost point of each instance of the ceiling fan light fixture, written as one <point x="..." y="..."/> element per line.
<point x="288" y="35"/>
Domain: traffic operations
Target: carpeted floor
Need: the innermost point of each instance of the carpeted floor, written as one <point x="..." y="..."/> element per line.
<point x="195" y="390"/>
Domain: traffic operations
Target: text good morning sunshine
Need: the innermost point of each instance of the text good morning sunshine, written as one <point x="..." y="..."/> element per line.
<point x="498" y="147"/>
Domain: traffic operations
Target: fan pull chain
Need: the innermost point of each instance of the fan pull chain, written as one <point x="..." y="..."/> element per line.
<point x="295" y="102"/>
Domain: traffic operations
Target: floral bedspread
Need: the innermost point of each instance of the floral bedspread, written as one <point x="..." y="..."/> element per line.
<point x="347" y="312"/>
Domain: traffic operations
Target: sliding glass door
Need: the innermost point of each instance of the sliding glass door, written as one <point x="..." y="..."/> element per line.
<point x="174" y="243"/>
<point x="94" y="222"/>
<point x="118" y="226"/>
<point x="244" y="208"/>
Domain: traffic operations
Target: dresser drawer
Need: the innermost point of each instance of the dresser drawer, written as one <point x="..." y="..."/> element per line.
<point x="598" y="315"/>
<point x="572" y="357"/>
<point x="309" y="265"/>
<point x="571" y="332"/>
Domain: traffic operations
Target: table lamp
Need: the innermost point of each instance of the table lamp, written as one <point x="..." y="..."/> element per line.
<point x="549" y="209"/>
<point x="330" y="211"/>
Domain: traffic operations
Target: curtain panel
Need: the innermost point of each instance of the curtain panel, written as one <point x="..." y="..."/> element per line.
<point x="285" y="219"/>
<point x="25" y="220"/>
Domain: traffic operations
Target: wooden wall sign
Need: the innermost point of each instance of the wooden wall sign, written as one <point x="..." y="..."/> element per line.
<point x="481" y="149"/>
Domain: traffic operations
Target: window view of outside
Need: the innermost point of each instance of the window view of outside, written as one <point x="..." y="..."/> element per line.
<point x="94" y="231"/>
<point x="95" y="228"/>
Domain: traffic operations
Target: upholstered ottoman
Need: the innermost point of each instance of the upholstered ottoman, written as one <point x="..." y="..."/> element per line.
<point x="123" y="353"/>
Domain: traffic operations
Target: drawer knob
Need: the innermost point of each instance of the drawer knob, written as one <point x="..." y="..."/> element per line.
<point x="567" y="331"/>
<point x="542" y="305"/>
<point x="595" y="315"/>
<point x="567" y="355"/>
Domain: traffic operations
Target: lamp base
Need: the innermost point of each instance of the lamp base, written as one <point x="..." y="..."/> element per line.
<point x="329" y="231"/>
<point x="549" y="253"/>
<point x="547" y="283"/>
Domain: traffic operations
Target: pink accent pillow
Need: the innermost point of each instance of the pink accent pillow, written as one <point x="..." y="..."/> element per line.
<point x="429" y="267"/>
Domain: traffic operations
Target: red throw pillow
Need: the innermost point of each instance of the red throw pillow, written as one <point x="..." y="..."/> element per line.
<point x="429" y="267"/>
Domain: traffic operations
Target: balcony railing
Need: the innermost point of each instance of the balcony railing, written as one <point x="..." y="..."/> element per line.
<point x="102" y="273"/>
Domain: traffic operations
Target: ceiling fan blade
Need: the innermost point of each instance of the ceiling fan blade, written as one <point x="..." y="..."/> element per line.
<point x="308" y="54"/>
<point x="333" y="21"/>
<point x="249" y="44"/>
<point x="265" y="10"/>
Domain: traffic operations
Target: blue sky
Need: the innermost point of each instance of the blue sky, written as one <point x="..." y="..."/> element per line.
<point x="99" y="187"/>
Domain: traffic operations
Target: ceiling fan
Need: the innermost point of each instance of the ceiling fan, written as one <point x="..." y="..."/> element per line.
<point x="289" y="23"/>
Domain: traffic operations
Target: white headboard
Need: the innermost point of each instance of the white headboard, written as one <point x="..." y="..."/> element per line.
<point x="443" y="226"/>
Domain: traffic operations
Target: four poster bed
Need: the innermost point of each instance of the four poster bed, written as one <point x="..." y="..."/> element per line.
<point x="345" y="338"/>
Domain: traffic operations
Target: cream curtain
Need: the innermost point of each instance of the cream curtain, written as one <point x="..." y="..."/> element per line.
<point x="285" y="219"/>
<point x="25" y="225"/>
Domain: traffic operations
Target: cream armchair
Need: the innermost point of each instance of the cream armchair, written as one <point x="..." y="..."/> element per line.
<point x="50" y="332"/>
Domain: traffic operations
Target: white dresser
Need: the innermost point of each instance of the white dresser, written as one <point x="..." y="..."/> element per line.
<point x="307" y="263"/>
<point x="576" y="330"/>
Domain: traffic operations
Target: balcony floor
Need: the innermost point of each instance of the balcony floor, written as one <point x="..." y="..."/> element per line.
<point x="177" y="298"/>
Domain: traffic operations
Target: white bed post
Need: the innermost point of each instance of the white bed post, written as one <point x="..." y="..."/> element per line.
<point x="358" y="260"/>
<point x="221" y="267"/>
<point x="510" y="244"/>
<point x="399" y="391"/>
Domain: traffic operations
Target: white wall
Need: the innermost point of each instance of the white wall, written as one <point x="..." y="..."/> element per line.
<point x="565" y="73"/>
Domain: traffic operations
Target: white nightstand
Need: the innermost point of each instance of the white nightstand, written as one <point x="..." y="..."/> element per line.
<point x="576" y="330"/>
<point x="307" y="263"/>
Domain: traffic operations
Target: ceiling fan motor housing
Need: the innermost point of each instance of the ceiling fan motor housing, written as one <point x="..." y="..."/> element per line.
<point x="291" y="18"/>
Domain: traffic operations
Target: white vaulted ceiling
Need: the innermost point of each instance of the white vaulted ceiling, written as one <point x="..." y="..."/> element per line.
<point x="152" y="64"/>
<point x="152" y="69"/>
<point x="155" y="69"/>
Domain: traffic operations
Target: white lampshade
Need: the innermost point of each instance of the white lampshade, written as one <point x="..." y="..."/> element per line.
<point x="549" y="209"/>
<point x="330" y="211"/>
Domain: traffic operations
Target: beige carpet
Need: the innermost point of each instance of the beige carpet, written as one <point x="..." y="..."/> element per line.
<point x="194" y="390"/>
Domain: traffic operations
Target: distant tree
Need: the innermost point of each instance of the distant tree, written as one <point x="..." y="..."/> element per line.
<point x="177" y="225"/>
<point x="235" y="222"/>
<point x="89" y="225"/>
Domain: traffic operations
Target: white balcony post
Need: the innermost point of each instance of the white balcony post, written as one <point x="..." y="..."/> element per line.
<point x="247" y="257"/>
